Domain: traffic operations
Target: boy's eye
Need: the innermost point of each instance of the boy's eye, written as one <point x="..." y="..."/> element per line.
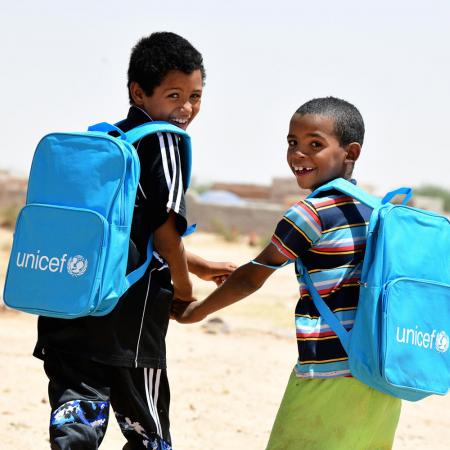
<point x="316" y="145"/>
<point x="291" y="142"/>
<point x="174" y="95"/>
<point x="195" y="98"/>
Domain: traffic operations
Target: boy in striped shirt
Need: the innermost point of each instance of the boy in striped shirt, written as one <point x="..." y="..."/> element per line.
<point x="323" y="406"/>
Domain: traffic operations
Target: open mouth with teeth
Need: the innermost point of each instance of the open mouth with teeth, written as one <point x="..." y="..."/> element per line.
<point x="300" y="170"/>
<point x="180" y="122"/>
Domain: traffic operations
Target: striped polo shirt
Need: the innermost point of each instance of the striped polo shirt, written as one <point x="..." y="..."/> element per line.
<point x="328" y="234"/>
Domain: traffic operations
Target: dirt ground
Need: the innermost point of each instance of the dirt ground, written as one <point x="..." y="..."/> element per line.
<point x="226" y="378"/>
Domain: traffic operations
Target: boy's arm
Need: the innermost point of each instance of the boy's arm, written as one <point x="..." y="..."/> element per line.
<point x="240" y="284"/>
<point x="168" y="243"/>
<point x="209" y="270"/>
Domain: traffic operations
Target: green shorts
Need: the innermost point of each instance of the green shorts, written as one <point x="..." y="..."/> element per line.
<point x="334" y="414"/>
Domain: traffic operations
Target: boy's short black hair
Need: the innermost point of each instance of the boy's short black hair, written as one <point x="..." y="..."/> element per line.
<point x="349" y="124"/>
<point x="155" y="55"/>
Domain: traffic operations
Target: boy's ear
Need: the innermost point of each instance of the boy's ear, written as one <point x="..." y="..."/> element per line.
<point x="353" y="151"/>
<point x="137" y="93"/>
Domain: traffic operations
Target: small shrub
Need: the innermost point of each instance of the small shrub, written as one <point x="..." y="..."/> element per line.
<point x="8" y="216"/>
<point x="229" y="234"/>
<point x="435" y="191"/>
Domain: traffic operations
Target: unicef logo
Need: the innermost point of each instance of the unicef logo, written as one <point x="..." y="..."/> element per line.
<point x="77" y="265"/>
<point x="442" y="342"/>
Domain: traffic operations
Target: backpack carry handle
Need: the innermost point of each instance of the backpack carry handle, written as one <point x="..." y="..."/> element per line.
<point x="106" y="127"/>
<point x="406" y="191"/>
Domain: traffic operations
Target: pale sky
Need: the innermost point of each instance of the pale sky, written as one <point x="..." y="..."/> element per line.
<point x="64" y="64"/>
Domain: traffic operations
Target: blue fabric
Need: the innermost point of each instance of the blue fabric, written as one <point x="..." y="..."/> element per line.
<point x="164" y="127"/>
<point x="399" y="343"/>
<point x="106" y="127"/>
<point x="70" y="248"/>
<point x="92" y="413"/>
<point x="269" y="266"/>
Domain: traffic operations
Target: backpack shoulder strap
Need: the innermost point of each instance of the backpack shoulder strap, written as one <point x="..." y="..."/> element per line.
<point x="138" y="273"/>
<point x="323" y="308"/>
<point x="141" y="131"/>
<point x="346" y="187"/>
<point x="134" y="135"/>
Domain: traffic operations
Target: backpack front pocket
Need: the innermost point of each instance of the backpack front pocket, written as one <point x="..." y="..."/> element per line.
<point x="416" y="335"/>
<point x="56" y="261"/>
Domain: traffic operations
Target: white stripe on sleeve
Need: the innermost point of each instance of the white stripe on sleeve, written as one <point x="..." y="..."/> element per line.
<point x="174" y="172"/>
<point x="164" y="160"/>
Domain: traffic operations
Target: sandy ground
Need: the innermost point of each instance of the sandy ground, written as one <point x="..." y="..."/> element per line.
<point x="226" y="381"/>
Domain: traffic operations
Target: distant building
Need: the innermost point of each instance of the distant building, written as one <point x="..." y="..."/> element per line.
<point x="264" y="205"/>
<point x="243" y="190"/>
<point x="221" y="197"/>
<point x="282" y="191"/>
<point x="285" y="191"/>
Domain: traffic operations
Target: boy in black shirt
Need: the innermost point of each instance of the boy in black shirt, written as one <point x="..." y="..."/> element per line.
<point x="120" y="358"/>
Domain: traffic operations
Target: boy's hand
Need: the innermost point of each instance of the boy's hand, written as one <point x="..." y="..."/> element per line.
<point x="217" y="271"/>
<point x="209" y="270"/>
<point x="178" y="307"/>
<point x="184" y="312"/>
<point x="185" y="294"/>
<point x="243" y="282"/>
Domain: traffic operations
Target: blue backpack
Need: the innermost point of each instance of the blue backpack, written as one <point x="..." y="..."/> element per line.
<point x="70" y="248"/>
<point x="399" y="343"/>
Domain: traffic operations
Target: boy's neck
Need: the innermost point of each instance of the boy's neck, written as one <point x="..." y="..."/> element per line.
<point x="143" y="110"/>
<point x="351" y="180"/>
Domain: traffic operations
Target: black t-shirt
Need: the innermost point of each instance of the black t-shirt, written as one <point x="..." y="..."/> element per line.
<point x="133" y="334"/>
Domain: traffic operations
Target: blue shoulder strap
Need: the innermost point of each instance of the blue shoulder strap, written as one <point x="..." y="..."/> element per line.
<point x="141" y="131"/>
<point x="106" y="127"/>
<point x="133" y="136"/>
<point x="138" y="273"/>
<point x="153" y="127"/>
<point x="346" y="187"/>
<point x="323" y="308"/>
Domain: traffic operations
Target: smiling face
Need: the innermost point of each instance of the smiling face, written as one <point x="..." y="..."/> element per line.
<point x="315" y="154"/>
<point x="176" y="100"/>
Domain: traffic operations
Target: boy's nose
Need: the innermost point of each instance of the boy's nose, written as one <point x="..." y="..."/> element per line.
<point x="187" y="107"/>
<point x="300" y="153"/>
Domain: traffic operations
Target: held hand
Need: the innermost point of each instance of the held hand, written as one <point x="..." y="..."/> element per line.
<point x="185" y="312"/>
<point x="178" y="307"/>
<point x="217" y="271"/>
<point x="184" y="294"/>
